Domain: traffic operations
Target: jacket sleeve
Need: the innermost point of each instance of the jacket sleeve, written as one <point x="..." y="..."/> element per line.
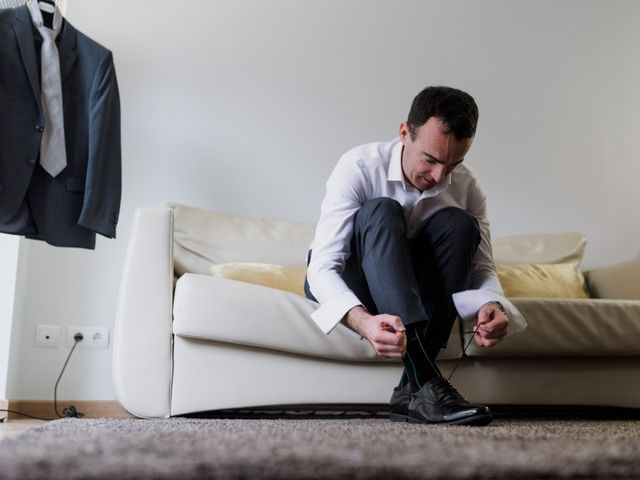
<point x="103" y="185"/>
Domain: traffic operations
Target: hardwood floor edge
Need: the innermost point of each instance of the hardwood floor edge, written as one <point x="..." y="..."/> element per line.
<point x="45" y="408"/>
<point x="4" y="405"/>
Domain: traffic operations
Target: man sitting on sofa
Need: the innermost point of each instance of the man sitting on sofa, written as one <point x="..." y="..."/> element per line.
<point x="402" y="242"/>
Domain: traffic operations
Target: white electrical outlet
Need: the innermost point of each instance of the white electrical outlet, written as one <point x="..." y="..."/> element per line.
<point x="93" y="337"/>
<point x="47" y="336"/>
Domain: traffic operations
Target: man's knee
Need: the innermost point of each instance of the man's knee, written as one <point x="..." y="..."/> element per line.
<point x="383" y="206"/>
<point x="457" y="222"/>
<point x="382" y="211"/>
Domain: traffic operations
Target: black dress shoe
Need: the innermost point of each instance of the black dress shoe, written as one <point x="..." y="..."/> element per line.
<point x="399" y="404"/>
<point x="438" y="402"/>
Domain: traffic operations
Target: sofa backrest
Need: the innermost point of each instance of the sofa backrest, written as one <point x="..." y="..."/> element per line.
<point x="203" y="237"/>
<point x="540" y="248"/>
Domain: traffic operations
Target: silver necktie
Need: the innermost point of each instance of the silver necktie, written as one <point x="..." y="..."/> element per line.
<point x="53" y="154"/>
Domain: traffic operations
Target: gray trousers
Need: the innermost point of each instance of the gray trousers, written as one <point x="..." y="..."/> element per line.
<point x="411" y="278"/>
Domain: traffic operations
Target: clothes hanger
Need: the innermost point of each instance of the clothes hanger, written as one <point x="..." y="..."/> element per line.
<point x="47" y="7"/>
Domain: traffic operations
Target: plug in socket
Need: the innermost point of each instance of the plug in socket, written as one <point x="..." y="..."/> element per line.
<point x="94" y="337"/>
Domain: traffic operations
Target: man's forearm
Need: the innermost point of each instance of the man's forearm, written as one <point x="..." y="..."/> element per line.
<point x="355" y="318"/>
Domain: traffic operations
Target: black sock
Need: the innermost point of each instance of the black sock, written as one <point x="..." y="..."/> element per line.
<point x="417" y="362"/>
<point x="404" y="379"/>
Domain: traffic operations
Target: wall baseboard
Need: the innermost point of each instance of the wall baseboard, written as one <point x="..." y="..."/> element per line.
<point x="44" y="408"/>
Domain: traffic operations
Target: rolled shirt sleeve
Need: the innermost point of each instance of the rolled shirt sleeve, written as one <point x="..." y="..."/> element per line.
<point x="345" y="194"/>
<point x="485" y="286"/>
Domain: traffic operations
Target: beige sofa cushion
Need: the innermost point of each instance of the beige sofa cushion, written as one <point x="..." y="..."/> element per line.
<point x="560" y="327"/>
<point x="539" y="248"/>
<point x="203" y="237"/>
<point x="221" y="310"/>
<point x="621" y="280"/>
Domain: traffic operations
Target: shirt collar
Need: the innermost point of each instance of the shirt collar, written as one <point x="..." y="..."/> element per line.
<point x="36" y="17"/>
<point x="395" y="174"/>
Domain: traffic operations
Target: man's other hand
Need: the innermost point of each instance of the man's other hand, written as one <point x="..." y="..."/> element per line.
<point x="492" y="325"/>
<point x="385" y="332"/>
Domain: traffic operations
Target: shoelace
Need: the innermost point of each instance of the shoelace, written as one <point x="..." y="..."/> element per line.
<point x="447" y="393"/>
<point x="464" y="351"/>
<point x="455" y="367"/>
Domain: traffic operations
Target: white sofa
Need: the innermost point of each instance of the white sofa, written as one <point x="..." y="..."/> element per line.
<point x="203" y="343"/>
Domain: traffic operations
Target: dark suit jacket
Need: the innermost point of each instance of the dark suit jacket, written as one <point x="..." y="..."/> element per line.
<point x="84" y="198"/>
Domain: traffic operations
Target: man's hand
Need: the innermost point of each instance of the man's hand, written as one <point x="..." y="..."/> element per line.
<point x="385" y="332"/>
<point x="492" y="325"/>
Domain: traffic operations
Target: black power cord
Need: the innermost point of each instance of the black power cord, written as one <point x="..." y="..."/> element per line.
<point x="70" y="411"/>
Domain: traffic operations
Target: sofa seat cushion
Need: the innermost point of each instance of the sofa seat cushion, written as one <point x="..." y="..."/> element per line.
<point x="223" y="310"/>
<point x="571" y="327"/>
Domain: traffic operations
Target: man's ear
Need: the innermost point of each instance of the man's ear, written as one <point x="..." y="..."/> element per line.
<point x="404" y="132"/>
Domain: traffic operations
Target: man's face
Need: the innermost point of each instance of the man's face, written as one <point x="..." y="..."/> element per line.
<point x="428" y="159"/>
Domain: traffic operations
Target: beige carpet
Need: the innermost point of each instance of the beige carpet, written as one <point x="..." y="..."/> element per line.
<point x="367" y="448"/>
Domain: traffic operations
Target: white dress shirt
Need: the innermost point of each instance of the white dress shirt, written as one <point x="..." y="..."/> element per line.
<point x="375" y="170"/>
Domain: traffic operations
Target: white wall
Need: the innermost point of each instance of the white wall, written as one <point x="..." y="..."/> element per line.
<point x="9" y="253"/>
<point x="245" y="105"/>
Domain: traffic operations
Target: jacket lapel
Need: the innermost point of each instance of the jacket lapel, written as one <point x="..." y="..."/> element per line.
<point x="67" y="49"/>
<point x="24" y="35"/>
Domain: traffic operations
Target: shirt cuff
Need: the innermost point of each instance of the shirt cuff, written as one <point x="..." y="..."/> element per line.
<point x="331" y="312"/>
<point x="470" y="301"/>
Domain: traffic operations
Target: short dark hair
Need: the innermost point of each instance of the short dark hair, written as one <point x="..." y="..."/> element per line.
<point x="457" y="110"/>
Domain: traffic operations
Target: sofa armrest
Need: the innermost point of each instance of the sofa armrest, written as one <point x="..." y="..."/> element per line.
<point x="142" y="338"/>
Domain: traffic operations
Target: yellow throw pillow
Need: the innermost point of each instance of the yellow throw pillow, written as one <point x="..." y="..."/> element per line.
<point x="560" y="280"/>
<point x="290" y="279"/>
